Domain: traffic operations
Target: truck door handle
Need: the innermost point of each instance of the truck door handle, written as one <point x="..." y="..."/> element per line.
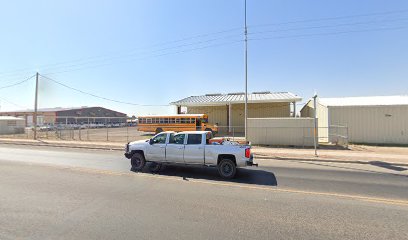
<point x="162" y="146"/>
<point x="200" y="147"/>
<point x="180" y="147"/>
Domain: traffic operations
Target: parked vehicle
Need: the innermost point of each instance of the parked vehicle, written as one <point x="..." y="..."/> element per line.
<point x="178" y="123"/>
<point x="188" y="148"/>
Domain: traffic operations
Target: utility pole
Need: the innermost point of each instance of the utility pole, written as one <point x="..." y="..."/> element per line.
<point x="35" y="107"/>
<point x="246" y="74"/>
<point x="315" y="134"/>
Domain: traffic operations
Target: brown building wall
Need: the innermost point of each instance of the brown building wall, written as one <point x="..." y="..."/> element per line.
<point x="219" y="114"/>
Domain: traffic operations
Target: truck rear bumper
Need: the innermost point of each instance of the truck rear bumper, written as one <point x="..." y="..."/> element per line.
<point x="250" y="162"/>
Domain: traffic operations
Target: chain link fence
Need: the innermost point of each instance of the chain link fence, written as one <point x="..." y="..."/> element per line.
<point x="128" y="131"/>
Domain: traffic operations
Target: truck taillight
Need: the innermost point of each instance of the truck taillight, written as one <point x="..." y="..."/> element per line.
<point x="247" y="152"/>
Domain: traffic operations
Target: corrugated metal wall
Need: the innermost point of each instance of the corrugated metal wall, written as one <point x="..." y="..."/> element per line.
<point x="373" y="124"/>
<point x="281" y="131"/>
<point x="218" y="114"/>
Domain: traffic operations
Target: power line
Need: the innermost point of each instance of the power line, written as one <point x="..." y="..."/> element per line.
<point x="13" y="72"/>
<point x="131" y="55"/>
<point x="330" y="26"/>
<point x="17" y="83"/>
<point x="12" y="103"/>
<point x="147" y="57"/>
<point x="100" y="97"/>
<point x="331" y="18"/>
<point x="330" y="33"/>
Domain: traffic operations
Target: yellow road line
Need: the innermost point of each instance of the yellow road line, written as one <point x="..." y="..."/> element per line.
<point x="246" y="186"/>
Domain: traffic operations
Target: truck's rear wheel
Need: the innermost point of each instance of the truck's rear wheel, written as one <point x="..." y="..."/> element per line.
<point x="159" y="130"/>
<point x="155" y="167"/>
<point x="138" y="162"/>
<point x="227" y="169"/>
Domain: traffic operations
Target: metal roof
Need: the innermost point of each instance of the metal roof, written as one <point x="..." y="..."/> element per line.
<point x="221" y="99"/>
<point x="365" y="101"/>
<point x="7" y="118"/>
<point x="56" y="109"/>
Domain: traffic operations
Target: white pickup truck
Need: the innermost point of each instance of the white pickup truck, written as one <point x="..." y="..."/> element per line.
<point x="188" y="148"/>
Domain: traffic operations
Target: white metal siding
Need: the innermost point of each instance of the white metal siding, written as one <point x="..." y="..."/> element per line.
<point x="373" y="124"/>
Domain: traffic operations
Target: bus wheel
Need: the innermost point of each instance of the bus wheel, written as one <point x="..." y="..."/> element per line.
<point x="159" y="130"/>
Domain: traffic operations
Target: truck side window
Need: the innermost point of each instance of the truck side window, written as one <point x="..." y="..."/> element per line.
<point x="194" y="139"/>
<point x="178" y="139"/>
<point x="160" y="138"/>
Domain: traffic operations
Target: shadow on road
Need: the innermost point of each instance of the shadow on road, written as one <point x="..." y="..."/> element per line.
<point x="387" y="166"/>
<point x="244" y="175"/>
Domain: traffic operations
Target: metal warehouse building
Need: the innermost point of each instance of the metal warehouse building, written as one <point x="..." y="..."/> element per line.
<point x="69" y="115"/>
<point x="375" y="120"/>
<point x="11" y="125"/>
<point x="227" y="110"/>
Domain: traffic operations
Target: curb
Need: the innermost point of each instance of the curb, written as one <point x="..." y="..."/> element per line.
<point x="63" y="146"/>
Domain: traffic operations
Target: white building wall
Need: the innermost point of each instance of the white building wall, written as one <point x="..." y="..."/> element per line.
<point x="12" y="126"/>
<point x="373" y="124"/>
<point x="281" y="131"/>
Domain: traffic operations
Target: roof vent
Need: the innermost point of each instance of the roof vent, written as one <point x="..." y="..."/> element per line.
<point x="213" y="94"/>
<point x="237" y="93"/>
<point x="264" y="92"/>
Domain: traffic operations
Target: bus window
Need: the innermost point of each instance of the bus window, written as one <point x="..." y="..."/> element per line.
<point x="166" y="120"/>
<point x="178" y="120"/>
<point x="172" y="120"/>
<point x="193" y="120"/>
<point x="148" y="120"/>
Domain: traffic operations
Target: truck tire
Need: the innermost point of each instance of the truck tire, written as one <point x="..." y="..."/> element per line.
<point x="227" y="168"/>
<point x="138" y="162"/>
<point x="159" y="130"/>
<point x="155" y="167"/>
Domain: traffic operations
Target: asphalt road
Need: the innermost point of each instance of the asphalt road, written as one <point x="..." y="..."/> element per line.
<point x="61" y="193"/>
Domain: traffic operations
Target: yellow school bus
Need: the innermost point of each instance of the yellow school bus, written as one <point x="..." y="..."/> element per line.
<point x="177" y="123"/>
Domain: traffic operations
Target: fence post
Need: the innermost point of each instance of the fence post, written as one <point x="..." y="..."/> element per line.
<point x="107" y="133"/>
<point x="127" y="133"/>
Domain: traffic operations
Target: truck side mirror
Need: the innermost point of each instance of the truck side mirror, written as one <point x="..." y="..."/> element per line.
<point x="151" y="141"/>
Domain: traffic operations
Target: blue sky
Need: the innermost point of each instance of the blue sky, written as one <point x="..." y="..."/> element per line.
<point x="155" y="52"/>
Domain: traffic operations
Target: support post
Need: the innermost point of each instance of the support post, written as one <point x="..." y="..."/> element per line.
<point x="229" y="117"/>
<point x="315" y="134"/>
<point x="294" y="109"/>
<point x="246" y="73"/>
<point x="35" y="106"/>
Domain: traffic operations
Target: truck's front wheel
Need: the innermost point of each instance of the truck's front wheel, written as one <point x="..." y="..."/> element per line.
<point x="138" y="162"/>
<point x="227" y="169"/>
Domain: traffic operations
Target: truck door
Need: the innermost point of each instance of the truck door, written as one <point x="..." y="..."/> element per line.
<point x="194" y="149"/>
<point x="175" y="149"/>
<point x="156" y="151"/>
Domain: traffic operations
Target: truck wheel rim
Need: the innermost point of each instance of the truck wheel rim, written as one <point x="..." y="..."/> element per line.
<point x="227" y="169"/>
